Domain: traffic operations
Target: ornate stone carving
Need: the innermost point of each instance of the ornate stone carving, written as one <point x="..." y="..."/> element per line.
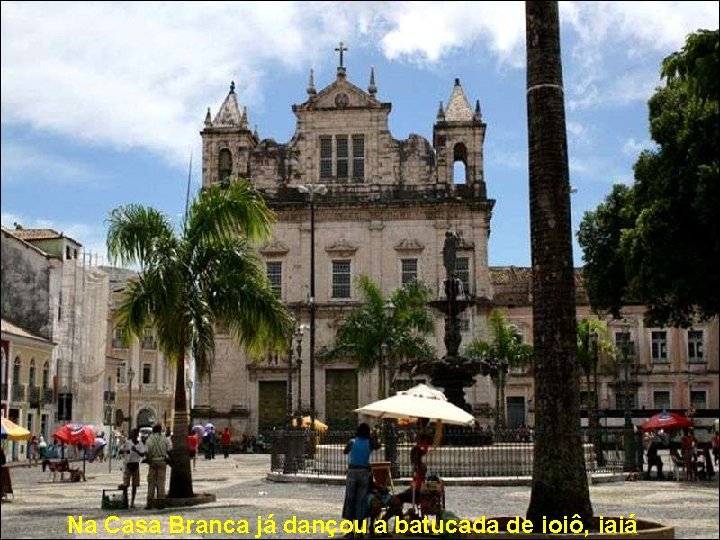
<point x="274" y="248"/>
<point x="341" y="248"/>
<point x="409" y="244"/>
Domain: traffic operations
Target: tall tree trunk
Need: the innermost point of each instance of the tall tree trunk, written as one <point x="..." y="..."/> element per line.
<point x="180" y="472"/>
<point x="559" y="484"/>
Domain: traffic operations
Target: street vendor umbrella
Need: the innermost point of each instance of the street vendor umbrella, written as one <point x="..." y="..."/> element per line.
<point x="420" y="401"/>
<point x="317" y="426"/>
<point x="76" y="434"/>
<point x="667" y="420"/>
<point x="12" y="432"/>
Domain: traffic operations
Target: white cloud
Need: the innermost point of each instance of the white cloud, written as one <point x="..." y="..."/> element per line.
<point x="633" y="148"/>
<point x="92" y="237"/>
<point x="28" y="162"/>
<point x="141" y="74"/>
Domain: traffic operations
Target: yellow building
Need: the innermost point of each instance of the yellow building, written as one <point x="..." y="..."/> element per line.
<point x="27" y="383"/>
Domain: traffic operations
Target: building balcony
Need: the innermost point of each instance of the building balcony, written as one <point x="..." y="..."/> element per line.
<point x="19" y="392"/>
<point x="34" y="395"/>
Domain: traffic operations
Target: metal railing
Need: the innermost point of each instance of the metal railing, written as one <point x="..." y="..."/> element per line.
<point x="462" y="453"/>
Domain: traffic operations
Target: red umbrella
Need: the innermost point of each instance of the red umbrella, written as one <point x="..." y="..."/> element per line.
<point x="76" y="434"/>
<point x="667" y="420"/>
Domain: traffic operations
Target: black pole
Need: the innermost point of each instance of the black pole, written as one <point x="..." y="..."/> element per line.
<point x="289" y="406"/>
<point x="312" y="311"/>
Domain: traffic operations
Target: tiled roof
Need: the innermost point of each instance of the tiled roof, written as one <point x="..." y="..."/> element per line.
<point x="36" y="234"/>
<point x="10" y="328"/>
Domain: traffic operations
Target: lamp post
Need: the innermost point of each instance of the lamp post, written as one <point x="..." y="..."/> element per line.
<point x="312" y="190"/>
<point x="628" y="431"/>
<point x="189" y="384"/>
<point x="388" y="363"/>
<point x="299" y="333"/>
<point x="594" y="408"/>
<point x="289" y="401"/>
<point x="131" y="376"/>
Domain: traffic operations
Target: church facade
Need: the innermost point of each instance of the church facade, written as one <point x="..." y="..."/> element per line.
<point x="352" y="200"/>
<point x="386" y="207"/>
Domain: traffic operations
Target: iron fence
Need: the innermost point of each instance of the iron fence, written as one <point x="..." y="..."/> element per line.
<point x="462" y="452"/>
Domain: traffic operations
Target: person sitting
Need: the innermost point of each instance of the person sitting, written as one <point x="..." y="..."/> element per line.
<point x="654" y="459"/>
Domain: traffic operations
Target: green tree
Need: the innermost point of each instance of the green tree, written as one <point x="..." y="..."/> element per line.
<point x="662" y="249"/>
<point x="207" y="274"/>
<point x="402" y="330"/>
<point x="504" y="351"/>
<point x="559" y="482"/>
<point x="594" y="346"/>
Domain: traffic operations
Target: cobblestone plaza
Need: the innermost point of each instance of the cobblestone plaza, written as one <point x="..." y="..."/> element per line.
<point x="41" y="508"/>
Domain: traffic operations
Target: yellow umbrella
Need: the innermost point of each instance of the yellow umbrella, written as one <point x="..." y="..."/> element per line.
<point x="13" y="432"/>
<point x="319" y="426"/>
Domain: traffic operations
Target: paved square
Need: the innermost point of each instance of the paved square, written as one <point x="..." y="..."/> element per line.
<point x="41" y="508"/>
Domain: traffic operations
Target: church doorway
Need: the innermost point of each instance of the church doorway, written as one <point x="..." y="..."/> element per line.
<point x="341" y="390"/>
<point x="271" y="404"/>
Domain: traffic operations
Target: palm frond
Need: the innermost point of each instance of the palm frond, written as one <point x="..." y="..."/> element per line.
<point x="135" y="232"/>
<point x="225" y="212"/>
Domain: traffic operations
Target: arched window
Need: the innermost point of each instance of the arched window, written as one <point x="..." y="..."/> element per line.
<point x="46" y="375"/>
<point x="32" y="373"/>
<point x="224" y="165"/>
<point x="460" y="164"/>
<point x="16" y="370"/>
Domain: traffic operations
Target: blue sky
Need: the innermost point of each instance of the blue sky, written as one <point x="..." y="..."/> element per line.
<point x="102" y="102"/>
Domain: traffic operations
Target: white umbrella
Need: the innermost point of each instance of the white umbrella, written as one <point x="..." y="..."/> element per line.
<point x="420" y="401"/>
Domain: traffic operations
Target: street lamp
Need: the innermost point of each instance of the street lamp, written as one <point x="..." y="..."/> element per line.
<point x="131" y="376"/>
<point x="389" y="311"/>
<point x="594" y="409"/>
<point x="299" y="333"/>
<point x="311" y="190"/>
<point x="189" y="384"/>
<point x="629" y="432"/>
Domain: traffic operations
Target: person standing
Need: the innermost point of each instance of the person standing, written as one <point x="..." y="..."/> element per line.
<point x="43" y="446"/>
<point x="225" y="441"/>
<point x="134" y="451"/>
<point x="34" y="450"/>
<point x="192" y="442"/>
<point x="357" y="481"/>
<point x="157" y="456"/>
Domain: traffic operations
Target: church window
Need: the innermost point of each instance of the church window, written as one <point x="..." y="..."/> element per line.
<point x="460" y="164"/>
<point x="462" y="269"/>
<point x="224" y="165"/>
<point x="325" y="157"/>
<point x="341" y="162"/>
<point x="408" y="271"/>
<point x="120" y="373"/>
<point x="342" y="157"/>
<point x="341" y="278"/>
<point x="274" y="276"/>
<point x="358" y="163"/>
<point x="147" y="373"/>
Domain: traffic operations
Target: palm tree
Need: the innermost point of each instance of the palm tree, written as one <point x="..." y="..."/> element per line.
<point x="207" y="274"/>
<point x="505" y="350"/>
<point x="371" y="333"/>
<point x="593" y="346"/>
<point x="559" y="484"/>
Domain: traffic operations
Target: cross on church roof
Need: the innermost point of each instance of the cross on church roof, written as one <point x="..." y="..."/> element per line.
<point x="340" y="49"/>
